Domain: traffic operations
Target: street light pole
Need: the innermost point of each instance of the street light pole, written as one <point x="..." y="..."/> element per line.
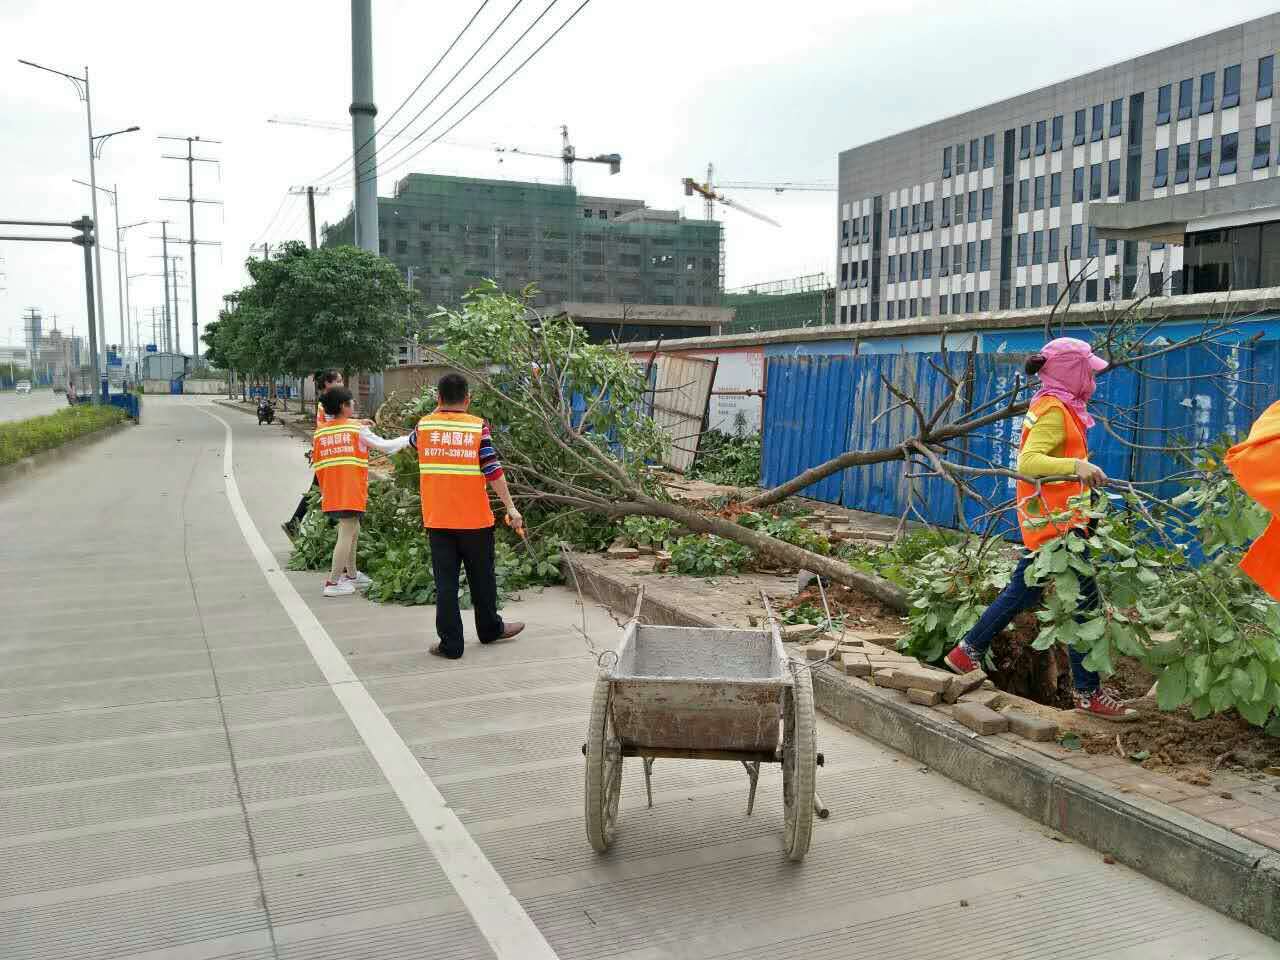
<point x="121" y="293"/>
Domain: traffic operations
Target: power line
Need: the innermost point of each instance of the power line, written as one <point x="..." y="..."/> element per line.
<point x="363" y="173"/>
<point x="274" y="217"/>
<point x="412" y="93"/>
<point x="488" y="95"/>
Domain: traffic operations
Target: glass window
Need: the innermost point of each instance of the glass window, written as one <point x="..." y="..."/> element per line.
<point x="973" y="206"/>
<point x="968" y="303"/>
<point x="1206" y="92"/>
<point x="1111" y="248"/>
<point x="893" y="222"/>
<point x="1055" y="190"/>
<point x="1041" y="135"/>
<point x="1161" y="178"/>
<point x="1182" y="171"/>
<point x="1095" y="181"/>
<point x="902" y="267"/>
<point x="888" y="310"/>
<point x="943" y="270"/>
<point x="1117" y="117"/>
<point x="984" y="255"/>
<point x="1037" y="247"/>
<point x="1204" y="158"/>
<point x="1091" y="291"/>
<point x="984" y="300"/>
<point x="1164" y="104"/>
<point x="1135" y="121"/>
<point x="1113" y="178"/>
<point x="1055" y="138"/>
<point x="928" y="215"/>
<point x="946" y="161"/>
<point x="1024" y="141"/>
<point x="1185" y="93"/>
<point x="1024" y="196"/>
<point x="1095" y="132"/>
<point x="1227" y="154"/>
<point x="915" y="266"/>
<point x="924" y="305"/>
<point x="989" y="150"/>
<point x="959" y="209"/>
<point x="1022" y="249"/>
<point x="1078" y="137"/>
<point x="1091" y="249"/>
<point x="1231" y="87"/>
<point x="1266" y="67"/>
<point x="844" y="274"/>
<point x="970" y="257"/>
<point x="959" y="158"/>
<point x="946" y="211"/>
<point x="987" y="201"/>
<point x="1075" y="251"/>
<point x="1051" y="254"/>
<point x="973" y="153"/>
<point x="866" y="226"/>
<point x="913" y="306"/>
<point x="1020" y="297"/>
<point x="926" y="264"/>
<point x="915" y="218"/>
<point x="1157" y="283"/>
<point x="1036" y="294"/>
<point x="1261" y="148"/>
<point x="892" y="272"/>
<point x="1039" y="193"/>
<point x="1077" y="185"/>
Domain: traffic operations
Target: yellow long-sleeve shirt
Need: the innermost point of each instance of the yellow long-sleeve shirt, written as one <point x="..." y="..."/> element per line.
<point x="1047" y="438"/>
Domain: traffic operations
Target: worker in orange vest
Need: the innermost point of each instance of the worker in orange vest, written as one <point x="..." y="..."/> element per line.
<point x="1053" y="444"/>
<point x="340" y="457"/>
<point x="1255" y="463"/>
<point x="456" y="464"/>
<point x="323" y="381"/>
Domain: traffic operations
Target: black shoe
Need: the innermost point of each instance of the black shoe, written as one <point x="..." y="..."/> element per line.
<point x="290" y="528"/>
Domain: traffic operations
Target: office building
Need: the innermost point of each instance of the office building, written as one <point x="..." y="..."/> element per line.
<point x="448" y="234"/>
<point x="1155" y="175"/>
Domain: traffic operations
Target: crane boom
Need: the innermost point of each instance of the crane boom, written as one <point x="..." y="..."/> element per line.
<point x="781" y="187"/>
<point x="705" y="191"/>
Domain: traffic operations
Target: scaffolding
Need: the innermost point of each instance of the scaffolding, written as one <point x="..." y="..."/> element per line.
<point x="455" y="232"/>
<point x="796" y="302"/>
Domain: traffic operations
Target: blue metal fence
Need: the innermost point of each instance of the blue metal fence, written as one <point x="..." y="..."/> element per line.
<point x="806" y="419"/>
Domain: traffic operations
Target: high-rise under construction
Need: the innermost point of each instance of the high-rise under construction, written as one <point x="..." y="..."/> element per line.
<point x="451" y="233"/>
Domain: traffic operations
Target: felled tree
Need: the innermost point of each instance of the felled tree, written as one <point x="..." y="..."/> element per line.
<point x="570" y="420"/>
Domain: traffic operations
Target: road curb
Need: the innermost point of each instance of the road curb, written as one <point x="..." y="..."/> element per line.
<point x="291" y="423"/>
<point x="1209" y="864"/>
<point x="29" y="465"/>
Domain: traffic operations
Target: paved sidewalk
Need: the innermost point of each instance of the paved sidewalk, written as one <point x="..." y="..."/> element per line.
<point x="179" y="780"/>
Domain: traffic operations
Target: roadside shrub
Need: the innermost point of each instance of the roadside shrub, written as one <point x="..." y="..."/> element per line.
<point x="23" y="438"/>
<point x="728" y="459"/>
<point x="700" y="555"/>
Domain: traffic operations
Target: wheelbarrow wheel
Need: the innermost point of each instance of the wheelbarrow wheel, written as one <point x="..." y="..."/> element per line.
<point x="799" y="764"/>
<point x="604" y="771"/>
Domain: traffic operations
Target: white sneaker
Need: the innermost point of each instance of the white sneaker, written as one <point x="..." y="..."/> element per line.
<point x="358" y="579"/>
<point x="343" y="588"/>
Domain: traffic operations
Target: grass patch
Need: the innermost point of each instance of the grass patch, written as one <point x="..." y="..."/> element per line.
<point x="22" y="438"/>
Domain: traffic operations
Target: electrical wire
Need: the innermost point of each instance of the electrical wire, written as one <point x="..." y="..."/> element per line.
<point x="369" y="165"/>
<point x="274" y="217"/>
<point x="412" y="93"/>
<point x="488" y="95"/>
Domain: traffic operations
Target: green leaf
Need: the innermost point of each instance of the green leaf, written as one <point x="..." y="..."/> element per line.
<point x="1099" y="658"/>
<point x="1201" y="707"/>
<point x="1071" y="741"/>
<point x="1241" y="684"/>
<point x="1254" y="711"/>
<point x="1140" y="756"/>
<point x="1171" y="691"/>
<point x="1221" y="697"/>
<point x="1091" y="630"/>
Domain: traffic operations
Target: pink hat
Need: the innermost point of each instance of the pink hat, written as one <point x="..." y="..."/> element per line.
<point x="1069" y="346"/>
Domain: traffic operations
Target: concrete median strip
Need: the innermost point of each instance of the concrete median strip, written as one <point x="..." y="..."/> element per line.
<point x="1210" y="864"/>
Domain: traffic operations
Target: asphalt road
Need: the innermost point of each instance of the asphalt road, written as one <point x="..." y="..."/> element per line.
<point x="20" y="406"/>
<point x="201" y="758"/>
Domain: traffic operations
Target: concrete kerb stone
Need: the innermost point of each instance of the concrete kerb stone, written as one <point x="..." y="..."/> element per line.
<point x="1209" y="864"/>
<point x="295" y="423"/>
<point x="28" y="465"/>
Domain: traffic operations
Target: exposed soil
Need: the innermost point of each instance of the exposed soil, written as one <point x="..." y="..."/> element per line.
<point x="860" y="612"/>
<point x="1040" y="675"/>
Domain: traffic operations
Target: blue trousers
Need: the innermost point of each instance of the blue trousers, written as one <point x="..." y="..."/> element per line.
<point x="1017" y="597"/>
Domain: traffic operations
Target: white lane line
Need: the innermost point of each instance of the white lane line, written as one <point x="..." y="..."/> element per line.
<point x="497" y="913"/>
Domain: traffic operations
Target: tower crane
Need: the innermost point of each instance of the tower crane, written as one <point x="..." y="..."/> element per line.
<point x="711" y="196"/>
<point x="569" y="156"/>
<point x="781" y="187"/>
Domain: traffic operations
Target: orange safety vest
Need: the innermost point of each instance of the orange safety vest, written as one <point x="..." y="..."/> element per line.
<point x="341" y="462"/>
<point x="1255" y="463"/>
<point x="1053" y="497"/>
<point x="450" y="481"/>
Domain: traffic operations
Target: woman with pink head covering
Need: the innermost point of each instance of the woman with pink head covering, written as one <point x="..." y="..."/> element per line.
<point x="1053" y="444"/>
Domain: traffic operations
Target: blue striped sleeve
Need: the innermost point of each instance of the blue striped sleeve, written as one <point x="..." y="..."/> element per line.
<point x="490" y="466"/>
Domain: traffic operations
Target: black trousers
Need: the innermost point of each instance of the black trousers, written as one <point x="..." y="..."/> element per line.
<point x="450" y="551"/>
<point x="302" y="504"/>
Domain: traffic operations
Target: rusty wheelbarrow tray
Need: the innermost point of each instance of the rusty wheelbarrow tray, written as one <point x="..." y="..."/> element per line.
<point x="702" y="693"/>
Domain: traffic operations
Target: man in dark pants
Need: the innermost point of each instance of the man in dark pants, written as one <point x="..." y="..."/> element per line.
<point x="456" y="465"/>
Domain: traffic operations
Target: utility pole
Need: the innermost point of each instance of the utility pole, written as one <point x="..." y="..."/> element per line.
<point x="364" y="150"/>
<point x="164" y="240"/>
<point x="191" y="201"/>
<point x="310" y="193"/>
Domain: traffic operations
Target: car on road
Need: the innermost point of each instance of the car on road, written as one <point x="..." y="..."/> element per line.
<point x="23" y="386"/>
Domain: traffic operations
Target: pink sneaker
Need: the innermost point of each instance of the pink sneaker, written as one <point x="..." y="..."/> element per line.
<point x="960" y="660"/>
<point x="1104" y="705"/>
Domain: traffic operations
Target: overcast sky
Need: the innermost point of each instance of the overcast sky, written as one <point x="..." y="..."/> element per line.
<point x="765" y="91"/>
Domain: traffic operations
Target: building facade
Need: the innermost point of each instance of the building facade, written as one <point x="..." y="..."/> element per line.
<point x="990" y="209"/>
<point x="449" y="234"/>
